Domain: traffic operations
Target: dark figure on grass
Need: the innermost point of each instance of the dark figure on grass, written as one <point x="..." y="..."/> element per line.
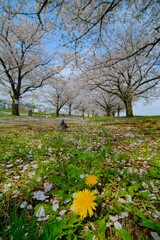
<point x="63" y="125"/>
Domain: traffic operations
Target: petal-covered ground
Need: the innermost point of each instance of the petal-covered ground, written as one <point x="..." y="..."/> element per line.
<point x="43" y="167"/>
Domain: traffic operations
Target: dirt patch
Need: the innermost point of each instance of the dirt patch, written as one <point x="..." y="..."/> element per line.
<point x="33" y="123"/>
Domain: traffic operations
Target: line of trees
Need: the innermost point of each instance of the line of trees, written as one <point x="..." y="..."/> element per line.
<point x="113" y="45"/>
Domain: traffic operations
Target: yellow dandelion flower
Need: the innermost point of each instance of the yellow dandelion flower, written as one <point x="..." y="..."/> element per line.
<point x="83" y="203"/>
<point x="91" y="180"/>
<point x="144" y="150"/>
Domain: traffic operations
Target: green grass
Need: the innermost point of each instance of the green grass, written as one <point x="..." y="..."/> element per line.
<point x="20" y="226"/>
<point x="125" y="156"/>
<point x="117" y="119"/>
<point x="5" y="113"/>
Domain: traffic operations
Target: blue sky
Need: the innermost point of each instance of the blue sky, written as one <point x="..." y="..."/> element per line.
<point x="144" y="110"/>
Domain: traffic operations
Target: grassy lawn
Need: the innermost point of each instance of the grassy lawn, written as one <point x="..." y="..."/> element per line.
<point x="99" y="179"/>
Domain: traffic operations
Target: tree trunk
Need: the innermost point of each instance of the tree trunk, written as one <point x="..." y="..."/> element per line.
<point x="113" y="113"/>
<point x="118" y="111"/>
<point x="108" y="112"/>
<point x="57" y="112"/>
<point x="128" y="106"/>
<point x="70" y="109"/>
<point x="83" y="113"/>
<point x="57" y="106"/>
<point x="15" y="107"/>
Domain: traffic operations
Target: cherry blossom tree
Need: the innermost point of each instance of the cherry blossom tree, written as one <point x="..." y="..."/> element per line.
<point x="88" y="21"/>
<point x="25" y="65"/>
<point x="74" y="88"/>
<point x="129" y="79"/>
<point x="56" y="93"/>
<point x="83" y="102"/>
<point x="109" y="104"/>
